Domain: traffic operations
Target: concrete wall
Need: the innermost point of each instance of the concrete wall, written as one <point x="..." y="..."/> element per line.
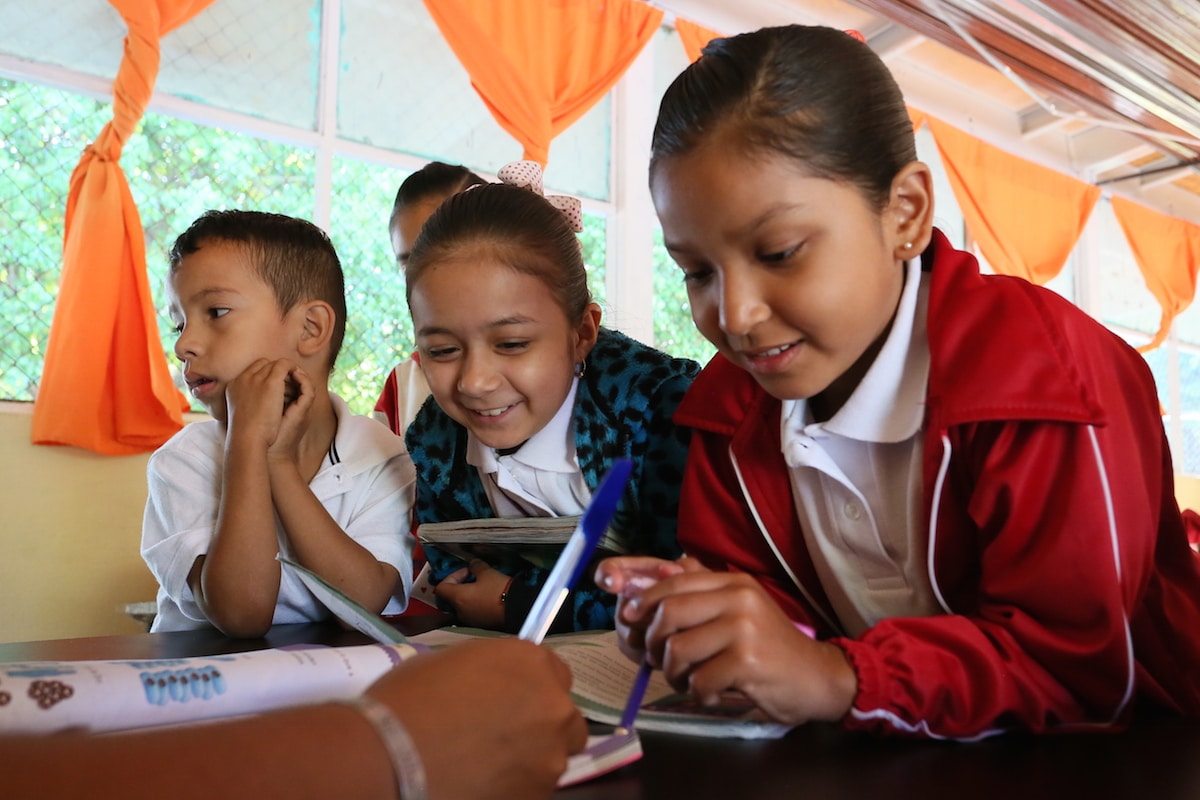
<point x="69" y="537"/>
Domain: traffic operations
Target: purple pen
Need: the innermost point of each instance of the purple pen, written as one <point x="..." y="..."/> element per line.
<point x="640" y="682"/>
<point x="634" y="585"/>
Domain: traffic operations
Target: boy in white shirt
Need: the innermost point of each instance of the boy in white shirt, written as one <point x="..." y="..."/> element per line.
<point x="258" y="301"/>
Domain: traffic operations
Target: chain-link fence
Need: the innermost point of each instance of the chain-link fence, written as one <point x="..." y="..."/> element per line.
<point x="399" y="90"/>
<point x="177" y="170"/>
<point x="239" y="58"/>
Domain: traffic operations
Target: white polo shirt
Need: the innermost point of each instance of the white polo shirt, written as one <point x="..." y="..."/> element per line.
<point x="367" y="483"/>
<point x="542" y="478"/>
<point x="856" y="478"/>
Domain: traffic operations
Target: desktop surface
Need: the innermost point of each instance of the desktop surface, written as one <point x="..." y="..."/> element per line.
<point x="1156" y="758"/>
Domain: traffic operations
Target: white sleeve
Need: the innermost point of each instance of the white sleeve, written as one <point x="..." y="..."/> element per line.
<point x="181" y="512"/>
<point x="382" y="521"/>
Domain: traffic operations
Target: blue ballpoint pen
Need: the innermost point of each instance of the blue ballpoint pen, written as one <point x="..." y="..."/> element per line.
<point x="577" y="552"/>
<point x="640" y="682"/>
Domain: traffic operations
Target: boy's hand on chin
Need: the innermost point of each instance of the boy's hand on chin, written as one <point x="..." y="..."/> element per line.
<point x="255" y="398"/>
<point x="298" y="394"/>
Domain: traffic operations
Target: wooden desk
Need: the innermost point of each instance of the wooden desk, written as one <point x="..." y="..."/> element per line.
<point x="1156" y="759"/>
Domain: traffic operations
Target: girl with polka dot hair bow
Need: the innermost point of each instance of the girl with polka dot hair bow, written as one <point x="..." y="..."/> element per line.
<point x="533" y="398"/>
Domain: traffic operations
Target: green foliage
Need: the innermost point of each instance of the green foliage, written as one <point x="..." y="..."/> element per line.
<point x="378" y="329"/>
<point x="177" y="170"/>
<point x="594" y="241"/>
<point x="41" y="139"/>
<point x="674" y="331"/>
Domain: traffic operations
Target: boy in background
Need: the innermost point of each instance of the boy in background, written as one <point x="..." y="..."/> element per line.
<point x="258" y="303"/>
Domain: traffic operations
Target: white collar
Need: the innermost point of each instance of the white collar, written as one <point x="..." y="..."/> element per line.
<point x="552" y="449"/>
<point x="888" y="405"/>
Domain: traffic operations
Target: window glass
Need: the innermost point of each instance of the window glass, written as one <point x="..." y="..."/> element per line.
<point x="594" y="241"/>
<point x="1125" y="302"/>
<point x="42" y="133"/>
<point x="402" y="88"/>
<point x="1187" y="324"/>
<point x="378" y="330"/>
<point x="1188" y="458"/>
<point x="670" y="59"/>
<point x="256" y="57"/>
<point x="86" y="36"/>
<point x="674" y="331"/>
<point x="947" y="216"/>
<point x="176" y="170"/>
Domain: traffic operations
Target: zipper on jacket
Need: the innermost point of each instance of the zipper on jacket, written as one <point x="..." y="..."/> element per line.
<point x="833" y="623"/>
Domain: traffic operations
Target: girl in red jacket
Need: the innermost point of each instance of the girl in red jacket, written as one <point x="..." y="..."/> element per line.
<point x="959" y="482"/>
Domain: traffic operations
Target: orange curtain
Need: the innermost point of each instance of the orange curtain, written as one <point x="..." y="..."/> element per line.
<point x="105" y="384"/>
<point x="539" y="65"/>
<point x="1167" y="251"/>
<point x="918" y="118"/>
<point x="693" y="37"/>
<point x="1025" y="217"/>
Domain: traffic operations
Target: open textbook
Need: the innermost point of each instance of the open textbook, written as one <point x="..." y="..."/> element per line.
<point x="101" y="696"/>
<point x="602" y="677"/>
<point x="107" y="696"/>
<point x="506" y="542"/>
<point x="603" y="753"/>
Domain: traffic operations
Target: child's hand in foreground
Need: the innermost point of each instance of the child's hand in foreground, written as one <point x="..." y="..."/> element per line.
<point x="474" y="591"/>
<point x="715" y="631"/>
<point x="490" y="719"/>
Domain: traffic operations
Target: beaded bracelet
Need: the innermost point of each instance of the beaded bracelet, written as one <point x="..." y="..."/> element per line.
<point x="406" y="761"/>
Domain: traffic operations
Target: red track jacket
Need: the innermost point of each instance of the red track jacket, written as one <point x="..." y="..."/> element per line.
<point x="1057" y="551"/>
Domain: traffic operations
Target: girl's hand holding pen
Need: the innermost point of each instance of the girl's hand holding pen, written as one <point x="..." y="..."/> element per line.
<point x="627" y="577"/>
<point x="711" y="632"/>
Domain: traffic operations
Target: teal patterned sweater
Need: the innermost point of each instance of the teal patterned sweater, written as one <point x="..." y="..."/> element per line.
<point x="623" y="408"/>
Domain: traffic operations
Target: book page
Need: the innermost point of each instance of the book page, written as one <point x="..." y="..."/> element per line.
<point x="463" y="537"/>
<point x="343" y="606"/>
<point x="547" y="530"/>
<point x="46" y="696"/>
<point x="602" y="677"/>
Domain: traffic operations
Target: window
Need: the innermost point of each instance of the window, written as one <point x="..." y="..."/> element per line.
<point x="240" y="119"/>
<point x="250" y="135"/>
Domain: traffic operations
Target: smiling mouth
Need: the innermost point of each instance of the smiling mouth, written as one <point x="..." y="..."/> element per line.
<point x="772" y="352"/>
<point x="490" y="412"/>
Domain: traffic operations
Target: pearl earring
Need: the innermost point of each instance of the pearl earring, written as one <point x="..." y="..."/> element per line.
<point x="908" y="245"/>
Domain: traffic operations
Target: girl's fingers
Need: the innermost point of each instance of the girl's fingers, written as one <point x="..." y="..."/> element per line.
<point x="695" y="580"/>
<point x="458" y="576"/>
<point x="618" y="575"/>
<point x="479" y="567"/>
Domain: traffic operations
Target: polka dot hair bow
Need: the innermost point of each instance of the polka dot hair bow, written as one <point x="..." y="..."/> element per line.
<point x="528" y="175"/>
